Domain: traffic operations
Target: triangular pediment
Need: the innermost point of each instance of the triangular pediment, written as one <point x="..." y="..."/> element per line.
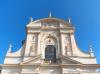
<point x="32" y="60"/>
<point x="67" y="60"/>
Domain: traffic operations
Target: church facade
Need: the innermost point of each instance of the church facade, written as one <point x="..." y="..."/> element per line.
<point x="50" y="48"/>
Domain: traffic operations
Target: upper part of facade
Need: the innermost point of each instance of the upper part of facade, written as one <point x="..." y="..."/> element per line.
<point x="50" y="32"/>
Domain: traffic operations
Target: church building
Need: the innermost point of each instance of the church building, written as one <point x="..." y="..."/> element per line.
<point x="50" y="48"/>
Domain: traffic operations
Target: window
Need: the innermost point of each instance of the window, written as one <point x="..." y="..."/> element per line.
<point x="50" y="53"/>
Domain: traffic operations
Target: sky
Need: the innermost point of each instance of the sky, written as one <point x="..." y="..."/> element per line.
<point x="15" y="14"/>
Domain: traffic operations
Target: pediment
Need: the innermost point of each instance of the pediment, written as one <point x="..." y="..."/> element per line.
<point x="31" y="61"/>
<point x="67" y="60"/>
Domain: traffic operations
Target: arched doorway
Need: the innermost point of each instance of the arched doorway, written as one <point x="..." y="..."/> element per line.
<point x="50" y="53"/>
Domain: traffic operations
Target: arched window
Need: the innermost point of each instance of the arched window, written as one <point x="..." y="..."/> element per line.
<point x="50" y="53"/>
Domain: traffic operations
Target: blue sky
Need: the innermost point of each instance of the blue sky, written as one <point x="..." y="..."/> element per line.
<point x="14" y="16"/>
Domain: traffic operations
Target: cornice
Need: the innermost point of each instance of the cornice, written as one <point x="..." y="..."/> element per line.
<point x="52" y="65"/>
<point x="82" y="65"/>
<point x="47" y="28"/>
<point x="13" y="56"/>
<point x="82" y="57"/>
<point x="56" y="65"/>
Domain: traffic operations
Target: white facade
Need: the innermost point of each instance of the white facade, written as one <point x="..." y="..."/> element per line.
<point x="56" y="36"/>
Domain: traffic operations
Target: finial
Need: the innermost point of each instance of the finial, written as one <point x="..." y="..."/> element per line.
<point x="91" y="50"/>
<point x="69" y="20"/>
<point x="50" y="15"/>
<point x="31" y="19"/>
<point x="10" y="48"/>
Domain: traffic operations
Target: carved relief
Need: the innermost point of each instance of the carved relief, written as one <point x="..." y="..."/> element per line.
<point x="50" y="41"/>
<point x="50" y="34"/>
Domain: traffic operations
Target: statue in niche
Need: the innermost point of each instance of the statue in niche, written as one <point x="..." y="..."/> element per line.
<point x="67" y="51"/>
<point x="33" y="39"/>
<point x="32" y="50"/>
<point x="67" y="41"/>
